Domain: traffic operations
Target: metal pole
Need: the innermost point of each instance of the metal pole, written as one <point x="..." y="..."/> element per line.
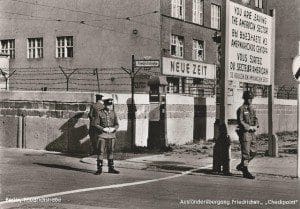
<point x="98" y="80"/>
<point x="219" y="146"/>
<point x="298" y="122"/>
<point x="298" y="161"/>
<point x="132" y="104"/>
<point x="6" y="83"/>
<point x="272" y="138"/>
<point x="67" y="83"/>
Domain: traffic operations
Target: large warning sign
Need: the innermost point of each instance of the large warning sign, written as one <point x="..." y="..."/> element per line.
<point x="248" y="44"/>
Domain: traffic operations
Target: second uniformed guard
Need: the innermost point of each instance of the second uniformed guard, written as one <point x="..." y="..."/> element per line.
<point x="94" y="117"/>
<point x="107" y="126"/>
<point x="247" y="126"/>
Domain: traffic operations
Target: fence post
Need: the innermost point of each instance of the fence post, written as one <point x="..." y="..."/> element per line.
<point x="67" y="76"/>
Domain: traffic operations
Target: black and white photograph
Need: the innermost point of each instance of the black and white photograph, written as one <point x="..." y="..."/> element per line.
<point x="149" y="104"/>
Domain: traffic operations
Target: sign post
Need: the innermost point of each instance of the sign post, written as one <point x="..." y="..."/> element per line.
<point x="132" y="73"/>
<point x="247" y="56"/>
<point x="272" y="138"/>
<point x="296" y="73"/>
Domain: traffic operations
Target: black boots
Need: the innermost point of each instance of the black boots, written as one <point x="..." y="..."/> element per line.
<point x="246" y="173"/>
<point x="99" y="167"/>
<point x="111" y="168"/>
<point x="239" y="167"/>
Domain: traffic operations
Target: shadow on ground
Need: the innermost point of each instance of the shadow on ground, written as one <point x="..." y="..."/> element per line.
<point x="64" y="167"/>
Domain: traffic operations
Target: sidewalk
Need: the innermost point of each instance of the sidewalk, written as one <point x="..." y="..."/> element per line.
<point x="281" y="167"/>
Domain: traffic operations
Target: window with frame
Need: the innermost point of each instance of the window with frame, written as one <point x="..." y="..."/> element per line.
<point x="178" y="7"/>
<point x="177" y="46"/>
<point x="34" y="48"/>
<point x="215" y="16"/>
<point x="173" y="85"/>
<point x="64" y="46"/>
<point x="8" y="47"/>
<point x="198" y="50"/>
<point x="198" y="11"/>
<point x="259" y="3"/>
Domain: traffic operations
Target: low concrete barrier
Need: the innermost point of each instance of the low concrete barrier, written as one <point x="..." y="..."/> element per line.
<point x="58" y="120"/>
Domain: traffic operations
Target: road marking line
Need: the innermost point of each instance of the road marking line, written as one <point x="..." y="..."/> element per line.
<point x="25" y="199"/>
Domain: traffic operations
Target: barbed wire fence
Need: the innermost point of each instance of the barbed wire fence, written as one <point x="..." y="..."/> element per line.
<point x="66" y="79"/>
<point x="110" y="79"/>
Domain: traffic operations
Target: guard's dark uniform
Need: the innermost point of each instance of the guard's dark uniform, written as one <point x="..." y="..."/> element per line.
<point x="107" y="119"/>
<point x="246" y="118"/>
<point x="94" y="117"/>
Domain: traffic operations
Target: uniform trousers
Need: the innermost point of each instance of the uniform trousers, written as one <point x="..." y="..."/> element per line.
<point x="248" y="147"/>
<point x="109" y="144"/>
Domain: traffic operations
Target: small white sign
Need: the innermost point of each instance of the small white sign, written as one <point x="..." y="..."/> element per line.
<point x="186" y="68"/>
<point x="147" y="63"/>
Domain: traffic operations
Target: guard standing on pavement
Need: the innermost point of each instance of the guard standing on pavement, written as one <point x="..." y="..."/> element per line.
<point x="247" y="126"/>
<point x="107" y="126"/>
<point x="94" y="117"/>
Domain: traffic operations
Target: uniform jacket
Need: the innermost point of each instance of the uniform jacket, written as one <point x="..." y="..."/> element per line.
<point x="107" y="119"/>
<point x="246" y="117"/>
<point x="94" y="113"/>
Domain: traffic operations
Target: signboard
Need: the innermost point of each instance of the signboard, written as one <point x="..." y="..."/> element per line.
<point x="146" y="63"/>
<point x="248" y="45"/>
<point x="4" y="66"/>
<point x="185" y="68"/>
<point x="296" y="68"/>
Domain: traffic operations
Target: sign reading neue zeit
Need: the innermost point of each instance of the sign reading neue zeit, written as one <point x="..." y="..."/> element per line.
<point x="186" y="68"/>
<point x="248" y="45"/>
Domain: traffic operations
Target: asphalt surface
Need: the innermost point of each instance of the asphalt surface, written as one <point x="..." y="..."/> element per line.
<point x="26" y="173"/>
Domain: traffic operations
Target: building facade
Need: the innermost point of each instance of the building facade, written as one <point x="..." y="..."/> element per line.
<point x="47" y="42"/>
<point x="287" y="40"/>
<point x="85" y="45"/>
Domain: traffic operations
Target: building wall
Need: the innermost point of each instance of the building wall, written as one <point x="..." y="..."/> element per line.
<point x="109" y="42"/>
<point x="59" y="122"/>
<point x="189" y="30"/>
<point x="287" y="39"/>
<point x="106" y="43"/>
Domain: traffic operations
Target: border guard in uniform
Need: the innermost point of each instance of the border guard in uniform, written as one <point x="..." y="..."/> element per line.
<point x="107" y="126"/>
<point x="94" y="117"/>
<point x="247" y="126"/>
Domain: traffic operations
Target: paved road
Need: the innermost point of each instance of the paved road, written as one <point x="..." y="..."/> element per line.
<point x="31" y="173"/>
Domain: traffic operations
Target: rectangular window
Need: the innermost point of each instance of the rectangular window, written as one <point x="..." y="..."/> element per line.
<point x="177" y="46"/>
<point x="8" y="47"/>
<point x="64" y="46"/>
<point x="178" y="7"/>
<point x="198" y="50"/>
<point x="259" y="3"/>
<point x="34" y="48"/>
<point x="215" y="16"/>
<point x="198" y="11"/>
